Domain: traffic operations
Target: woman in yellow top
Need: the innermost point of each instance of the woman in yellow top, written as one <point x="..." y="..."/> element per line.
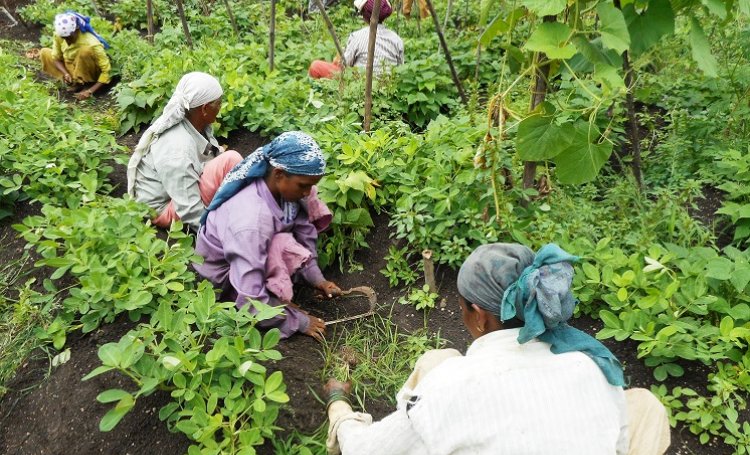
<point x="78" y="54"/>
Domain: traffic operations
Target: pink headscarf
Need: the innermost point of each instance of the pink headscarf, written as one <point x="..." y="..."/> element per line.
<point x="367" y="6"/>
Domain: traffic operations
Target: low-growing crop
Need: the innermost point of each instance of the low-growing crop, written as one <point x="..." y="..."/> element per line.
<point x="210" y="358"/>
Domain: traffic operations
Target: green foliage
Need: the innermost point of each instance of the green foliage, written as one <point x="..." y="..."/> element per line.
<point x="20" y="317"/>
<point x="209" y="357"/>
<point x="398" y="270"/>
<point x="119" y="263"/>
<point x="683" y="304"/>
<point x="421" y="298"/>
<point x="62" y="160"/>
<point x="734" y="168"/>
<point x="376" y="357"/>
<point x="717" y="415"/>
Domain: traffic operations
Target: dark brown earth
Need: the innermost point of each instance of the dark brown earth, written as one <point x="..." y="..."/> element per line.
<point x="56" y="413"/>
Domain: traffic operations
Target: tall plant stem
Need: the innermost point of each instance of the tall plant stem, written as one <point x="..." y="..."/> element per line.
<point x="447" y="52"/>
<point x="370" y="63"/>
<point x="272" y="35"/>
<point x="633" y="130"/>
<point x="331" y="30"/>
<point x="185" y="29"/>
<point x="232" y="19"/>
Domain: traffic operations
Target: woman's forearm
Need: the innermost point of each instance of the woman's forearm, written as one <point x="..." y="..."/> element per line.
<point x="60" y="65"/>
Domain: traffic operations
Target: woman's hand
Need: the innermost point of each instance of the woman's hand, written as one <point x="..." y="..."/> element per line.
<point x="329" y="289"/>
<point x="67" y="78"/>
<point x="316" y="329"/>
<point x="83" y="94"/>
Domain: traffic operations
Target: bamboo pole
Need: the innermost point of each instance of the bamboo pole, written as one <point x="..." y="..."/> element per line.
<point x="181" y="11"/>
<point x="448" y="58"/>
<point x="374" y="20"/>
<point x="272" y="37"/>
<point x="150" y="18"/>
<point x="331" y="30"/>
<point x="232" y="19"/>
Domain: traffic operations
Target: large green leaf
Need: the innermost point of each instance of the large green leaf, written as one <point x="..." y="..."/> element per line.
<point x="701" y="49"/>
<point x="614" y="30"/>
<point x="609" y="78"/>
<point x="498" y="25"/>
<point x="581" y="161"/>
<point x="539" y="138"/>
<point x="647" y="28"/>
<point x="716" y="7"/>
<point x="544" y="7"/>
<point x="592" y="53"/>
<point x="552" y="38"/>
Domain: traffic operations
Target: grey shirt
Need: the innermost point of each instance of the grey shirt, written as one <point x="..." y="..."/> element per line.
<point x="172" y="169"/>
<point x="389" y="48"/>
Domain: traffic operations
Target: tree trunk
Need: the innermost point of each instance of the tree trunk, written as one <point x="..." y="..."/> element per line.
<point x="633" y="130"/>
<point x="370" y="63"/>
<point x="331" y="30"/>
<point x="538" y="94"/>
<point x="150" y="18"/>
<point x="272" y="35"/>
<point x="181" y="11"/>
<point x="232" y="19"/>
<point x="448" y="58"/>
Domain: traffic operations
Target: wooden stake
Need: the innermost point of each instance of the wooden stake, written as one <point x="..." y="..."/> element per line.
<point x="443" y="44"/>
<point x="429" y="270"/>
<point x="331" y="30"/>
<point x="374" y="20"/>
<point x="181" y="11"/>
<point x="150" y="18"/>
<point x="231" y="19"/>
<point x="272" y="37"/>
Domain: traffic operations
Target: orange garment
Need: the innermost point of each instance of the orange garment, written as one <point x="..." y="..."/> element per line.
<point x="213" y="174"/>
<point x="320" y="69"/>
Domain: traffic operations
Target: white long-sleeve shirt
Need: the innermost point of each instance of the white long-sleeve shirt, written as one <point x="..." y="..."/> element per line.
<point x="172" y="169"/>
<point x="501" y="398"/>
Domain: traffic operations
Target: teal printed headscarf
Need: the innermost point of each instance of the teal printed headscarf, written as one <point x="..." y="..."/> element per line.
<point x="509" y="281"/>
<point x="294" y="152"/>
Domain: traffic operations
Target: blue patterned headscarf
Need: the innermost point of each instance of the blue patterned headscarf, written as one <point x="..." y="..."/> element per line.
<point x="70" y="21"/>
<point x="294" y="152"/>
<point x="509" y="281"/>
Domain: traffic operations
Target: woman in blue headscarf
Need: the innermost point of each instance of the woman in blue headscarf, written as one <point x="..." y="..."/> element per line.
<point x="78" y="55"/>
<point x="528" y="384"/>
<point x="259" y="214"/>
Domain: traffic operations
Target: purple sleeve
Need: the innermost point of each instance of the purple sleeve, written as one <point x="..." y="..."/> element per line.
<point x="307" y="235"/>
<point x="246" y="252"/>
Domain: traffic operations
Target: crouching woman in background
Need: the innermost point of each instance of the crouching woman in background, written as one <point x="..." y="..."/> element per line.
<point x="78" y="55"/>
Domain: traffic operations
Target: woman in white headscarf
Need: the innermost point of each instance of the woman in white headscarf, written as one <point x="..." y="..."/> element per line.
<point x="177" y="165"/>
<point x="78" y="55"/>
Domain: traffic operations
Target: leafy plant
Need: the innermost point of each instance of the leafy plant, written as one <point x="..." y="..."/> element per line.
<point x="209" y="357"/>
<point x="421" y="298"/>
<point x="119" y="263"/>
<point x="398" y="269"/>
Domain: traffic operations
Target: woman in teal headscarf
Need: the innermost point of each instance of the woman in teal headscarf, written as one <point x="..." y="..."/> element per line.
<point x="528" y="384"/>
